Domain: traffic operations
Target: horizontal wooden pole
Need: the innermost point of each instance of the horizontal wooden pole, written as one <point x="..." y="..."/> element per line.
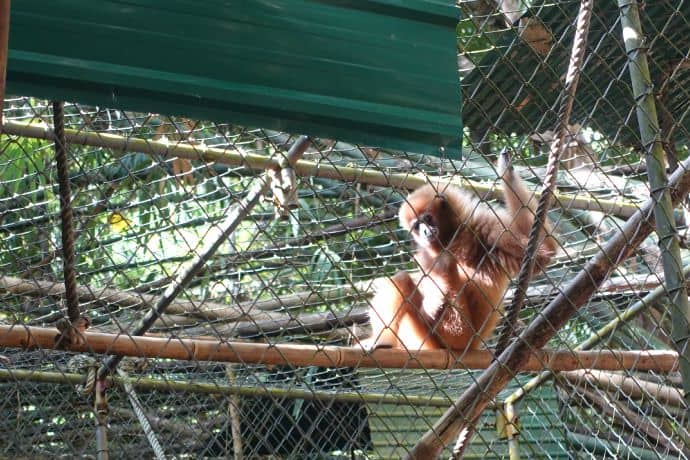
<point x="239" y="158"/>
<point x="214" y="388"/>
<point x="18" y="336"/>
<point x="629" y="386"/>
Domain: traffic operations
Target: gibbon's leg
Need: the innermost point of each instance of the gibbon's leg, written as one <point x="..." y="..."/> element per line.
<point x="458" y="324"/>
<point x="395" y="316"/>
<point x="485" y="319"/>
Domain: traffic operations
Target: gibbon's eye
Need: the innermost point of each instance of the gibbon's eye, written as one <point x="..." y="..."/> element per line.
<point x="414" y="225"/>
<point x="426" y="218"/>
<point x="424" y="228"/>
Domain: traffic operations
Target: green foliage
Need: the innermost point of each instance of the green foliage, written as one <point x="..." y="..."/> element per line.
<point x="24" y="163"/>
<point x="471" y="41"/>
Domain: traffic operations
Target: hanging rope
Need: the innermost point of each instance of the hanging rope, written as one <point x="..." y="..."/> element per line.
<point x="70" y="274"/>
<point x="72" y="327"/>
<point x="537" y="231"/>
<point x="557" y="147"/>
<point x="284" y="187"/>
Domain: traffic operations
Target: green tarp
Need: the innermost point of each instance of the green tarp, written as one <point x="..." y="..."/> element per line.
<point x="377" y="72"/>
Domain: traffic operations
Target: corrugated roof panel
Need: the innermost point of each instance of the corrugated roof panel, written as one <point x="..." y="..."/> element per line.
<point x="380" y="72"/>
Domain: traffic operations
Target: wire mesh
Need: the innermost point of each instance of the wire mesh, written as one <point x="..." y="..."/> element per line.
<point x="142" y="213"/>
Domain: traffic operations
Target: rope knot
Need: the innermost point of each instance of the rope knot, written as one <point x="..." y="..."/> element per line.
<point x="71" y="334"/>
<point x="87" y="364"/>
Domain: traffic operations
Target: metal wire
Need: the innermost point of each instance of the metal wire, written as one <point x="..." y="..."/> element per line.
<point x="149" y="190"/>
<point x="237" y="213"/>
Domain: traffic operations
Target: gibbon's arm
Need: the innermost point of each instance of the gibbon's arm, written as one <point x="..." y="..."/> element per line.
<point x="521" y="208"/>
<point x="520" y="203"/>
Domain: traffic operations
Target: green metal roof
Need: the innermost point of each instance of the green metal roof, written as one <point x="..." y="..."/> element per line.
<point x="378" y="72"/>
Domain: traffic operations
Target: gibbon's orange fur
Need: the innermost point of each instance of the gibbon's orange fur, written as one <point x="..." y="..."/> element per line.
<point x="467" y="254"/>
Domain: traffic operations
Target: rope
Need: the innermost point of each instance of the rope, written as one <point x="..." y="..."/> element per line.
<point x="71" y="333"/>
<point x="70" y="274"/>
<point x="88" y="364"/>
<point x="527" y="267"/>
<point x="536" y="232"/>
<point x="284" y="187"/>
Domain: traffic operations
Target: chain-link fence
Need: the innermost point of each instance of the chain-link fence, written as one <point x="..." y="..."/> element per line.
<point x="246" y="258"/>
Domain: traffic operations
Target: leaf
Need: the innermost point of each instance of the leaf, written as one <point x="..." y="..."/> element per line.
<point x="119" y="223"/>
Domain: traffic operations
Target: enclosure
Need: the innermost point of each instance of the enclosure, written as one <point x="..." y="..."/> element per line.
<point x="184" y="276"/>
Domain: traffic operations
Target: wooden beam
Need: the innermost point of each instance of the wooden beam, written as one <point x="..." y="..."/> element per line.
<point x="331" y="356"/>
<point x="629" y="386"/>
<point x="236" y="157"/>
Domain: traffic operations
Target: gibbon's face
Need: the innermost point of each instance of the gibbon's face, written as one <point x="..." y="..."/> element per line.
<point x="426" y="216"/>
<point x="425" y="230"/>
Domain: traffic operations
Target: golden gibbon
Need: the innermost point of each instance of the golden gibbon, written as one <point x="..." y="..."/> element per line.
<point x="467" y="253"/>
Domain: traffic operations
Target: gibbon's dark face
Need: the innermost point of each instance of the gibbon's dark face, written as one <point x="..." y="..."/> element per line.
<point x="425" y="230"/>
<point x="426" y="216"/>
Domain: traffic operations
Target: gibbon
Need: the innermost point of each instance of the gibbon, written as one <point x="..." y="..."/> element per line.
<point x="467" y="254"/>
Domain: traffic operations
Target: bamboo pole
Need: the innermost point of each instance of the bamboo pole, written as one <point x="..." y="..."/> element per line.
<point x="235" y="415"/>
<point x="595" y="338"/>
<point x="331" y="356"/>
<point x="631" y="387"/>
<point x="4" y="48"/>
<point x="101" y="411"/>
<point x="635" y="423"/>
<point x="257" y="310"/>
<point x="304" y="168"/>
<point x="600" y="445"/>
<point x="305" y="323"/>
<point x="467" y="409"/>
<point x="248" y="317"/>
<point x="254" y="391"/>
<point x="658" y="182"/>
